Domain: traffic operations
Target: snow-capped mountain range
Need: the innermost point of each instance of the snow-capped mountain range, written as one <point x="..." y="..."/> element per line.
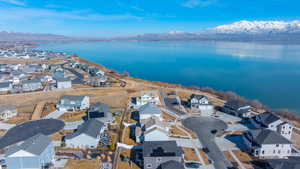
<point x="258" y="27"/>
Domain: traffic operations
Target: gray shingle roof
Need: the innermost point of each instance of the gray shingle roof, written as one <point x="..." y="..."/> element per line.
<point x="99" y="107"/>
<point x="62" y="79"/>
<point x="171" y="165"/>
<point x="4" y="84"/>
<point x="266" y="136"/>
<point x="91" y="127"/>
<point x="234" y="104"/>
<point x="197" y="96"/>
<point x="267" y="118"/>
<point x="290" y="163"/>
<point x="149" y="108"/>
<point x="161" y="148"/>
<point x="35" y="145"/>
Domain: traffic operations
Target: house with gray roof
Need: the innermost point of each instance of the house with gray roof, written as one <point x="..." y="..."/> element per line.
<point x="63" y="83"/>
<point x="7" y="111"/>
<point x="271" y="121"/>
<point x="237" y="108"/>
<point x="87" y="135"/>
<point x="156" y="153"/>
<point x="35" y="152"/>
<point x="290" y="163"/>
<point x="148" y="110"/>
<point x="101" y="112"/>
<point x="32" y="85"/>
<point x="5" y="86"/>
<point x="267" y="143"/>
<point x="171" y="165"/>
<point x="72" y="103"/>
<point x="201" y="103"/>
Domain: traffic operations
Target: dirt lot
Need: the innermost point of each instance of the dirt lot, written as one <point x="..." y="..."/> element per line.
<point x="82" y="164"/>
<point x="125" y="137"/>
<point x="124" y="164"/>
<point x="190" y="154"/>
<point x="116" y="98"/>
<point x="72" y="116"/>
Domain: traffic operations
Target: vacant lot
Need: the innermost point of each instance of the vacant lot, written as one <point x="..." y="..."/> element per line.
<point x="86" y="164"/>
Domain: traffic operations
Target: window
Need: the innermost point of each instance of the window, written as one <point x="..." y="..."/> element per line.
<point x="278" y="151"/>
<point x="274" y="151"/>
<point x="277" y="145"/>
<point x="288" y="151"/>
<point x="263" y="152"/>
<point x="158" y="159"/>
<point x="149" y="165"/>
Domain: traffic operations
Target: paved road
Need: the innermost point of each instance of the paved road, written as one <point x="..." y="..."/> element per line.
<point x="6" y="126"/>
<point x="54" y="115"/>
<point x="203" y="126"/>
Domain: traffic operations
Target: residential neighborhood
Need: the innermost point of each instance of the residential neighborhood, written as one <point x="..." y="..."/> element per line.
<point x="58" y="111"/>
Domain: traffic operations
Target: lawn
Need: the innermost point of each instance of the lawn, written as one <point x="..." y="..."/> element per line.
<point x="204" y="156"/>
<point x="126" y="164"/>
<point x="168" y="118"/>
<point x="190" y="154"/>
<point x="125" y="137"/>
<point x="82" y="164"/>
<point x="72" y="116"/>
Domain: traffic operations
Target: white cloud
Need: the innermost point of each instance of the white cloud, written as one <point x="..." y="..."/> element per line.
<point x="13" y="2"/>
<point x="196" y="3"/>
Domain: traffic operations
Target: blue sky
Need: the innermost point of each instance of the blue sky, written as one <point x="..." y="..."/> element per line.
<point x="99" y="18"/>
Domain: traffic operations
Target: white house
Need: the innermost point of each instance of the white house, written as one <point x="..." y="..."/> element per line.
<point x="146" y="97"/>
<point x="270" y="121"/>
<point x="7" y="111"/>
<point x="72" y="103"/>
<point x="87" y="135"/>
<point x="265" y="143"/>
<point x="148" y="110"/>
<point x="202" y="104"/>
<point x="152" y="129"/>
<point x="63" y="83"/>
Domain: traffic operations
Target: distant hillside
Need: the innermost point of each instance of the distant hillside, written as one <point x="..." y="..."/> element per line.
<point x="30" y="37"/>
<point x="237" y="31"/>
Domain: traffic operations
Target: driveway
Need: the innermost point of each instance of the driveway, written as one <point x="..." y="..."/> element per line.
<point x="79" y="76"/>
<point x="203" y="126"/>
<point x="54" y="115"/>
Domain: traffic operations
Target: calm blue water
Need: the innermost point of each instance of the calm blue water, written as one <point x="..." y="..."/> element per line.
<point x="269" y="73"/>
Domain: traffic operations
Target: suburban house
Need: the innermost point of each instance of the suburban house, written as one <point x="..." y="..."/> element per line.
<point x="63" y="83"/>
<point x="87" y="135"/>
<point x="201" y="103"/>
<point x="72" y="103"/>
<point x="5" y="86"/>
<point x="171" y="165"/>
<point x="34" y="153"/>
<point x="270" y="121"/>
<point x="156" y="153"/>
<point x="7" y="111"/>
<point x="146" y="97"/>
<point x="100" y="112"/>
<point x="237" y="108"/>
<point x="98" y="80"/>
<point x="267" y="143"/>
<point x="151" y="129"/>
<point x="31" y="85"/>
<point x="148" y="110"/>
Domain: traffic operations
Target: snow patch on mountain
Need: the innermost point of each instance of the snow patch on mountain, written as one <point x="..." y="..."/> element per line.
<point x="258" y="27"/>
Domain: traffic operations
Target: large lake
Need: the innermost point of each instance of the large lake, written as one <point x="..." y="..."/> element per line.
<point x="269" y="73"/>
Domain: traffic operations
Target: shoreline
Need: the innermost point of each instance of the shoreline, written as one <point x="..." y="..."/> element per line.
<point x="222" y="95"/>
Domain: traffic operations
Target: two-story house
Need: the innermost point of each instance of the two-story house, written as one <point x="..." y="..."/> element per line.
<point x="34" y="153"/>
<point x="237" y="108"/>
<point x="201" y="103"/>
<point x="148" y="110"/>
<point x="63" y="83"/>
<point x="146" y="97"/>
<point x="267" y="143"/>
<point x="101" y="112"/>
<point x="31" y="85"/>
<point x="72" y="103"/>
<point x="271" y="121"/>
<point x="87" y="135"/>
<point x="157" y="153"/>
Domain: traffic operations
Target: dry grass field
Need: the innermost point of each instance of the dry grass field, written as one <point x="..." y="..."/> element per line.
<point x="82" y="164"/>
<point x="126" y="165"/>
<point x="190" y="154"/>
<point x="72" y="116"/>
